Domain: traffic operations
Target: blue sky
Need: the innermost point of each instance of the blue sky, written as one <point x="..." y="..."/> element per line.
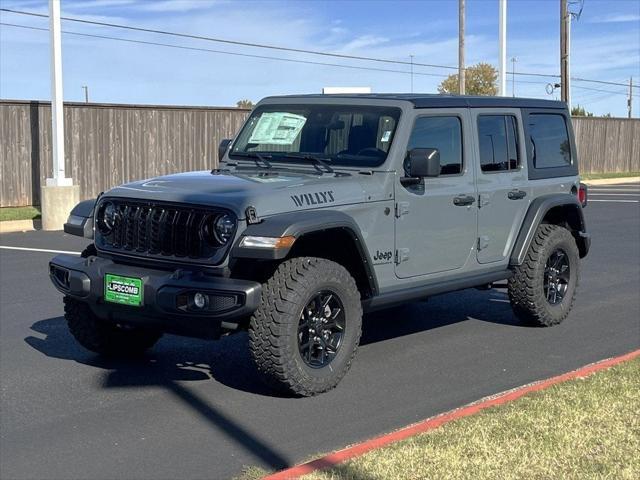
<point x="605" y="46"/>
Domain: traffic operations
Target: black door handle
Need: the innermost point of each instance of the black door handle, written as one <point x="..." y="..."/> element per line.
<point x="463" y="200"/>
<point x="516" y="194"/>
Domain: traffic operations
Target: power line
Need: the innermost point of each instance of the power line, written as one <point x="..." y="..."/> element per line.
<point x="286" y="49"/>
<point x="223" y="52"/>
<point x="600" y="90"/>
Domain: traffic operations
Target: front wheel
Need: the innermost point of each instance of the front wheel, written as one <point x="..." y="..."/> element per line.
<point x="105" y="338"/>
<point x="543" y="288"/>
<point x="306" y="331"/>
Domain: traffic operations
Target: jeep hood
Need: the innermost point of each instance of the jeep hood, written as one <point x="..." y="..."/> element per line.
<point x="270" y="192"/>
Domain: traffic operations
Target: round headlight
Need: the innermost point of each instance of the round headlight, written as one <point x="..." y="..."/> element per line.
<point x="223" y="228"/>
<point x="107" y="217"/>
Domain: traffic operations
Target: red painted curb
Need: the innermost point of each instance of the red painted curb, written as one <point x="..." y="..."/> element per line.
<point x="431" y="423"/>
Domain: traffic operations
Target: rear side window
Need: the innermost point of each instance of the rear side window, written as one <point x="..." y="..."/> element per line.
<point x="549" y="140"/>
<point x="498" y="141"/>
<point x="443" y="133"/>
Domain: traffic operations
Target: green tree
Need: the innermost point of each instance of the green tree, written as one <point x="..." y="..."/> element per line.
<point x="244" y="103"/>
<point x="480" y="79"/>
<point x="579" y="111"/>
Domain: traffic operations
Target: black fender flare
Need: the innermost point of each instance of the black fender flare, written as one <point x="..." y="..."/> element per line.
<point x="537" y="212"/>
<point x="298" y="224"/>
<point x="80" y="221"/>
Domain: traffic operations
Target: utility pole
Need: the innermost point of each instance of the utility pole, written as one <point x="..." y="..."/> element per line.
<point x="502" y="49"/>
<point x="411" y="56"/>
<point x="565" y="19"/>
<point x="86" y="93"/>
<point x="630" y="99"/>
<point x="461" y="70"/>
<point x="513" y="76"/>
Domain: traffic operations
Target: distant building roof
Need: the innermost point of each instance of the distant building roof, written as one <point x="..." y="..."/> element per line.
<point x="423" y="100"/>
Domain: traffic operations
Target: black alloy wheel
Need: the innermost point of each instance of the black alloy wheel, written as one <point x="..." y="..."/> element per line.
<point x="321" y="329"/>
<point x="557" y="274"/>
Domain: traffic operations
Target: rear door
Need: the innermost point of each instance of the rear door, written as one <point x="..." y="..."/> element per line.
<point x="503" y="191"/>
<point x="436" y="219"/>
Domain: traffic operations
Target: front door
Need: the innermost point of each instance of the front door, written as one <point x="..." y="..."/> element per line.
<point x="503" y="192"/>
<point x="436" y="219"/>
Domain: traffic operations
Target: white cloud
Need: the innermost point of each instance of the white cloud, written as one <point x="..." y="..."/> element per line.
<point x="616" y="18"/>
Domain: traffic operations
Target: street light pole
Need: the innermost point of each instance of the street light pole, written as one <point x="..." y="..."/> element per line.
<point x="502" y="62"/>
<point x="58" y="195"/>
<point x="411" y="56"/>
<point x="57" y="112"/>
<point x="513" y="76"/>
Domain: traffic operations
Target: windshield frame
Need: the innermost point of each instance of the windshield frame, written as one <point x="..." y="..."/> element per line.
<point x="352" y="161"/>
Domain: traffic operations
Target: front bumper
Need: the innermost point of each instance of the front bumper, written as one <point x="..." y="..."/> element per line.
<point x="167" y="305"/>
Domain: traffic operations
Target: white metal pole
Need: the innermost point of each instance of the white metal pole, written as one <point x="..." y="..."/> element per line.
<point x="57" y="112"/>
<point x="568" y="61"/>
<point x="461" y="67"/>
<point x="502" y="63"/>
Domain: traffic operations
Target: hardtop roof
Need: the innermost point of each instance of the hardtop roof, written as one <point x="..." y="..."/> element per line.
<point x="424" y="100"/>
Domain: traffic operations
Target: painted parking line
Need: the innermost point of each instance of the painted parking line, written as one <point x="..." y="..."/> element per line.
<point x="613" y="201"/>
<point x="432" y="423"/>
<point x="44" y="250"/>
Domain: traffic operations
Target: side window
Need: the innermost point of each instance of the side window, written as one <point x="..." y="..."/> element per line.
<point x="498" y="141"/>
<point x="549" y="140"/>
<point x="443" y="133"/>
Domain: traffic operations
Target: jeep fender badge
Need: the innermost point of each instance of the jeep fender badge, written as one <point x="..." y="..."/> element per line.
<point x="252" y="215"/>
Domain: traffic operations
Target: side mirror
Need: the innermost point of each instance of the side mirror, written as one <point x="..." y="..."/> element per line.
<point x="424" y="162"/>
<point x="222" y="148"/>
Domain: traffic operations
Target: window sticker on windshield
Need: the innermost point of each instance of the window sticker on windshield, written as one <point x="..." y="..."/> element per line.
<point x="277" y="128"/>
<point x="386" y="135"/>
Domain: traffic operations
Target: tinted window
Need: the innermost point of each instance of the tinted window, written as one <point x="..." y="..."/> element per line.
<point x="443" y="133"/>
<point x="497" y="135"/>
<point x="549" y="140"/>
<point x="342" y="135"/>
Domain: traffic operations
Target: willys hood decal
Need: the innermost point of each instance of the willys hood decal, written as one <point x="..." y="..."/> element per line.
<point x="271" y="192"/>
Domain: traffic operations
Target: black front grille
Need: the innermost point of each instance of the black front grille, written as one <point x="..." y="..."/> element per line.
<point x="163" y="230"/>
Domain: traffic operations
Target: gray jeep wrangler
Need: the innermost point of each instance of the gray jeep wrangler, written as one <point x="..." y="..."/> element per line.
<point x="325" y="207"/>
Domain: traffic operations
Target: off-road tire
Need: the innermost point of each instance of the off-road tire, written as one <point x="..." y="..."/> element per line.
<point x="273" y="328"/>
<point x="526" y="287"/>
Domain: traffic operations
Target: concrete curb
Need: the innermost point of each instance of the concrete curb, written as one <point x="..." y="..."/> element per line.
<point x="12" y="226"/>
<point x="359" y="449"/>
<point x="612" y="181"/>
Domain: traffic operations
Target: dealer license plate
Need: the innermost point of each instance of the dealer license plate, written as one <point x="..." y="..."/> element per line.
<point x="123" y="290"/>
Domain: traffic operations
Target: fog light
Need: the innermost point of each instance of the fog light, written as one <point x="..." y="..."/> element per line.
<point x="200" y="300"/>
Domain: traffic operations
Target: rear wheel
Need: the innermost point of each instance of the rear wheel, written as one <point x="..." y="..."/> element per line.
<point x="306" y="330"/>
<point x="542" y="290"/>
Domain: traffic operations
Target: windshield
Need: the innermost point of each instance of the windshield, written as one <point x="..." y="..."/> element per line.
<point x="336" y="134"/>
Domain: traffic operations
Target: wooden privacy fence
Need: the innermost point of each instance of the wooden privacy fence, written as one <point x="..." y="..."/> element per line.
<point x="106" y="145"/>
<point x="607" y="145"/>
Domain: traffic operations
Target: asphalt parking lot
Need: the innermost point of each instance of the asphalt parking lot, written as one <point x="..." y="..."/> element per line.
<point x="193" y="409"/>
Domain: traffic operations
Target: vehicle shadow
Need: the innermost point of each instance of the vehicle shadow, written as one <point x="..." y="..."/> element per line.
<point x="228" y="361"/>
<point x="176" y="360"/>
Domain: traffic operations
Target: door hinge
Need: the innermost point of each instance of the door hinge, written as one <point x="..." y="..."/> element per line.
<point x="402" y="208"/>
<point x="402" y="255"/>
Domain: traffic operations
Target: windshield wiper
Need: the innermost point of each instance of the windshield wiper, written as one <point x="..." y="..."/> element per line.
<point x="318" y="161"/>
<point x="259" y="158"/>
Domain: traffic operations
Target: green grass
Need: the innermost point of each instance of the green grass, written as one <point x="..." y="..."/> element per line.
<point x="598" y="176"/>
<point x="582" y="429"/>
<point x="19" y="213"/>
